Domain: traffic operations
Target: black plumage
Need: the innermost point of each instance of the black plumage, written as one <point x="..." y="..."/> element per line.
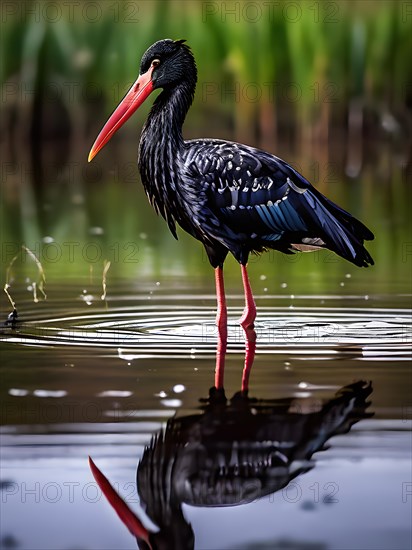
<point x="232" y="197"/>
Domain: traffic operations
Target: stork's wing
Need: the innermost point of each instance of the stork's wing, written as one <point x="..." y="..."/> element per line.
<point x="262" y="197"/>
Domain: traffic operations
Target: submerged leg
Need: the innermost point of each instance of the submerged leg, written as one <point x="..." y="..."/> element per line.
<point x="250" y="349"/>
<point x="247" y="321"/>
<point x="249" y="314"/>
<point x="221" y="323"/>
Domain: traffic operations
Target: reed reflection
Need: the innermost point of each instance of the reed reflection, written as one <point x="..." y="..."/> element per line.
<point x="232" y="452"/>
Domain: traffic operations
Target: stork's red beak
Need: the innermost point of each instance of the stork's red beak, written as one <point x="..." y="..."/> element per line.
<point x="137" y="94"/>
<point x="128" y="517"/>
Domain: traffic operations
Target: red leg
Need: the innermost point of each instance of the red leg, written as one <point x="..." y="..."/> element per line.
<point x="221" y="323"/>
<point x="247" y="321"/>
<point x="249" y="314"/>
<point x="250" y="348"/>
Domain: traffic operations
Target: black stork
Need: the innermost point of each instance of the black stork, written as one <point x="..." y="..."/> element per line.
<point x="231" y="197"/>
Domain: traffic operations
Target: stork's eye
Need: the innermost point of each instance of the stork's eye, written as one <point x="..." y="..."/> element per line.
<point x="155" y="62"/>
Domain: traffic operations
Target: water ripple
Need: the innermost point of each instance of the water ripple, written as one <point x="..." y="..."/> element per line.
<point x="174" y="331"/>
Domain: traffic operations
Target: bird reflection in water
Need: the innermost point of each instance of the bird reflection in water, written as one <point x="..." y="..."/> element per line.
<point x="232" y="452"/>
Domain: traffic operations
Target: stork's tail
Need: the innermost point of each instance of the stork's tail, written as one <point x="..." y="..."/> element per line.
<point x="343" y="233"/>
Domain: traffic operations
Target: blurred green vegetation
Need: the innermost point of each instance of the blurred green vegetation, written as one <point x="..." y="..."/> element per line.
<point x="262" y="65"/>
<point x="325" y="85"/>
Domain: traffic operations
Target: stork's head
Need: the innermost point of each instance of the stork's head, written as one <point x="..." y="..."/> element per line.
<point x="166" y="64"/>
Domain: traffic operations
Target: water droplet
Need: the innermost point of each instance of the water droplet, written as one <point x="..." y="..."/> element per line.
<point x="265" y="289"/>
<point x="284" y="285"/>
<point x="263" y="277"/>
<point x="143" y="236"/>
<point x="50" y="393"/>
<point x="348" y="275"/>
<point x="16" y="392"/>
<point x="342" y="284"/>
<point x="115" y="393"/>
<point x="88" y="299"/>
<point x="48" y="240"/>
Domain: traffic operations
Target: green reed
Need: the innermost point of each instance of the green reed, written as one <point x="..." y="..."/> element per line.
<point x="278" y="58"/>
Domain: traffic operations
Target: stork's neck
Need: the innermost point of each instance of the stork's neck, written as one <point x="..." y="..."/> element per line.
<point x="162" y="134"/>
<point x="161" y="147"/>
<point x="160" y="152"/>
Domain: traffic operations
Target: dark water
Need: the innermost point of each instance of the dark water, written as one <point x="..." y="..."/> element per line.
<point x="82" y="375"/>
<point x="101" y="379"/>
